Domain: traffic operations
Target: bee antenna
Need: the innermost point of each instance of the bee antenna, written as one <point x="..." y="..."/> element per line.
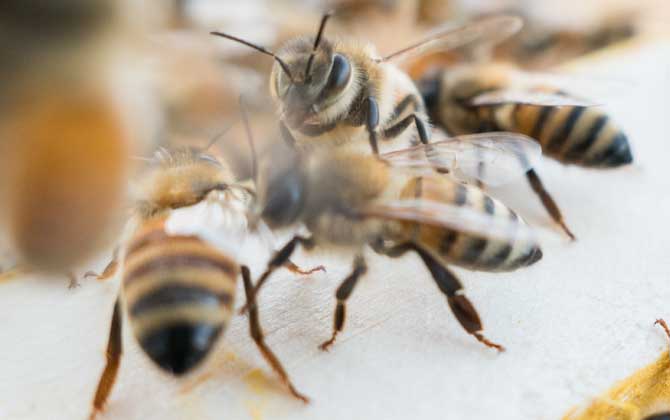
<point x="250" y="140"/>
<point x="317" y="41"/>
<point x="218" y="137"/>
<point x="281" y="62"/>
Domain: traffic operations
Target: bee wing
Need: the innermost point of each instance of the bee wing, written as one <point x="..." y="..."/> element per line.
<point x="492" y="29"/>
<point x="530" y="97"/>
<point x="492" y="158"/>
<point x="450" y="216"/>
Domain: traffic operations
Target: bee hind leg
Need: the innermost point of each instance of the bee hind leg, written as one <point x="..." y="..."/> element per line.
<point x="259" y="338"/>
<point x="343" y="292"/>
<point x="448" y="283"/>
<point x="114" y="351"/>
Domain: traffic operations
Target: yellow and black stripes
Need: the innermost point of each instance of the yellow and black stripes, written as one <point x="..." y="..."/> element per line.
<point x="571" y="134"/>
<point x="468" y="250"/>
<point x="179" y="293"/>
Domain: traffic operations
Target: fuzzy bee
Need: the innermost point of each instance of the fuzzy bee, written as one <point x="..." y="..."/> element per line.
<point x="395" y="205"/>
<point x="341" y="92"/>
<point x="180" y="265"/>
<point x="476" y="98"/>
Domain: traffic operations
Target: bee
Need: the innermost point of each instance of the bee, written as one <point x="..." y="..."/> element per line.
<point x="641" y="396"/>
<point x="66" y="161"/>
<point x="475" y="98"/>
<point x="180" y="266"/>
<point x="395" y="205"/>
<point x="341" y="92"/>
<point x="67" y="136"/>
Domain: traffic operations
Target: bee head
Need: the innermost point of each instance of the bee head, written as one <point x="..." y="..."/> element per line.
<point x="320" y="77"/>
<point x="282" y="190"/>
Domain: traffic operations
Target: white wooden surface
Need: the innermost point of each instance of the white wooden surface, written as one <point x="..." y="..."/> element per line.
<point x="573" y="323"/>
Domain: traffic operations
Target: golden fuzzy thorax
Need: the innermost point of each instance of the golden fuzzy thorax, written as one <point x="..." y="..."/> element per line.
<point x="180" y="179"/>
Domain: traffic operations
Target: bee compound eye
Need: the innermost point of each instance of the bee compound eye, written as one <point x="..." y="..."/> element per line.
<point x="339" y="73"/>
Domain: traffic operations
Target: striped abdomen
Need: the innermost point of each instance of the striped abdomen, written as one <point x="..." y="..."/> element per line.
<point x="179" y="293"/>
<point x="464" y="249"/>
<point x="569" y="134"/>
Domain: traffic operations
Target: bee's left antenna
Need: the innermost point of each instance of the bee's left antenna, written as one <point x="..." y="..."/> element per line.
<point x="281" y="62"/>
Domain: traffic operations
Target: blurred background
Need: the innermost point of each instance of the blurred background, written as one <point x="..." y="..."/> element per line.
<point x="91" y="88"/>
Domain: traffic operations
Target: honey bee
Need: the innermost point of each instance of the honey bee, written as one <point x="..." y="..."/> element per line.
<point x="180" y="266"/>
<point x="337" y="92"/>
<point x="395" y="204"/>
<point x="475" y="98"/>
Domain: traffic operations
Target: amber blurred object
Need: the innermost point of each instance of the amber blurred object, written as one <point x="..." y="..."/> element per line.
<point x="65" y="156"/>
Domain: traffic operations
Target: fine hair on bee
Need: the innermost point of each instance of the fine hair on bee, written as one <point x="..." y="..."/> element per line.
<point x="349" y="201"/>
<point x="179" y="267"/>
<point x="341" y="92"/>
<point x="484" y="97"/>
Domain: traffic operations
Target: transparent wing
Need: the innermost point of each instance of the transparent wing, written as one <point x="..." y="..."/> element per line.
<point x="492" y="29"/>
<point x="530" y="97"/>
<point x="451" y="216"/>
<point x="492" y="158"/>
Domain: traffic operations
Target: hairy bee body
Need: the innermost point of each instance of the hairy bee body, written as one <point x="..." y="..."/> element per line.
<point x="584" y="136"/>
<point x="179" y="293"/>
<point x="342" y="181"/>
<point x="334" y="111"/>
<point x="463" y="249"/>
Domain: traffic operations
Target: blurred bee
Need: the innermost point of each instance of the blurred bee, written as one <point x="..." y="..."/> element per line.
<point x="475" y="98"/>
<point x="341" y="92"/>
<point x="180" y="267"/>
<point x="66" y="137"/>
<point x="66" y="160"/>
<point x="349" y="200"/>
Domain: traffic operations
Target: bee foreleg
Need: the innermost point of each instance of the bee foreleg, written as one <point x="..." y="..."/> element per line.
<point x="371" y="122"/>
<point x="399" y="127"/>
<point x="257" y="335"/>
<point x="294" y="268"/>
<point x="280" y="258"/>
<point x="460" y="305"/>
<point x="343" y="292"/>
<point x="109" y="270"/>
<point x="663" y="325"/>
<point x="114" y="351"/>
<point x="548" y="201"/>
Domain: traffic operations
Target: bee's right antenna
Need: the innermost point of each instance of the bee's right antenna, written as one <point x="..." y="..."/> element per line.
<point x="281" y="62"/>
<point x="250" y="140"/>
<point x="317" y="41"/>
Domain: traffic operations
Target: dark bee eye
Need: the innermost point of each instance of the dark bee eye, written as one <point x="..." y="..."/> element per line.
<point x="284" y="199"/>
<point x="339" y="74"/>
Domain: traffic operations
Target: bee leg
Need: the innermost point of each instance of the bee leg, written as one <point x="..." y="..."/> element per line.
<point x="371" y="123"/>
<point x="258" y="337"/>
<point x="342" y="294"/>
<point x="460" y="305"/>
<point x="286" y="135"/>
<point x="448" y="283"/>
<point x="293" y="268"/>
<point x="114" y="351"/>
<point x="74" y="282"/>
<point x="109" y="270"/>
<point x="279" y="259"/>
<point x="663" y="325"/>
<point x="547" y="201"/>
